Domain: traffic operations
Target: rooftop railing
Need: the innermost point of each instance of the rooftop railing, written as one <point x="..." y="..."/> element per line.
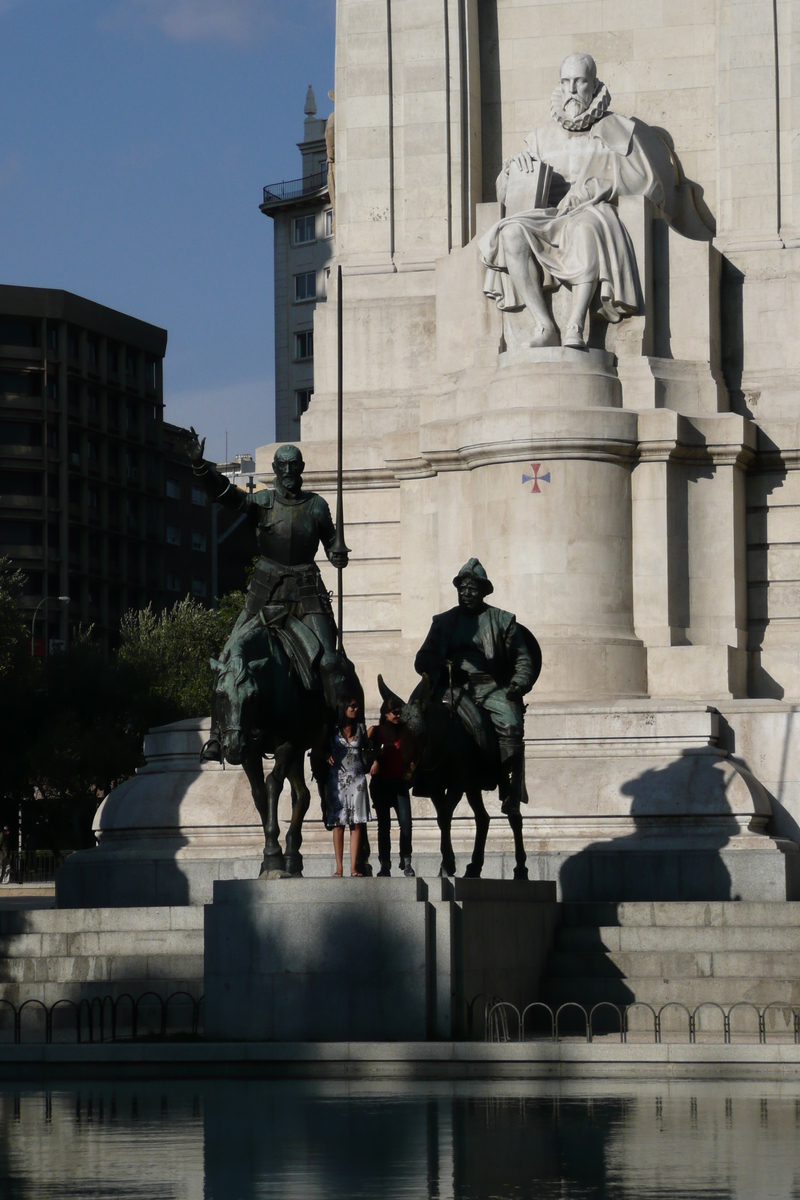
<point x="295" y="189"/>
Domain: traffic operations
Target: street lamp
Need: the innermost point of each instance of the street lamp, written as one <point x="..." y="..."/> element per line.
<point x="44" y="599"/>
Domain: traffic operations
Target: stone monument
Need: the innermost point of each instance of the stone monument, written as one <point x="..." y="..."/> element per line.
<point x="616" y="442"/>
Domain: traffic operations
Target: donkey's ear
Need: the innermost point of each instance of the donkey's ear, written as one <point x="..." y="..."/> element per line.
<point x="214" y="664"/>
<point x="258" y="664"/>
<point x="387" y="694"/>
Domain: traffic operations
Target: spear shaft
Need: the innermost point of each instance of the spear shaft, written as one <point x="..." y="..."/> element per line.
<point x="339" y="547"/>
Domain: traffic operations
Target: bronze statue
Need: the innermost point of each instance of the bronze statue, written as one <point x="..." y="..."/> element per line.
<point x="466" y="717"/>
<point x="280" y="677"/>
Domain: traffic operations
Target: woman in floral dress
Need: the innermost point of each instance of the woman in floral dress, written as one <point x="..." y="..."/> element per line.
<point x="348" y="796"/>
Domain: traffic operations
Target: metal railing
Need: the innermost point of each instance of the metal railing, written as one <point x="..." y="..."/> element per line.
<point x="500" y="1016"/>
<point x="295" y="189"/>
<point x="31" y="866"/>
<point x="106" y="1018"/>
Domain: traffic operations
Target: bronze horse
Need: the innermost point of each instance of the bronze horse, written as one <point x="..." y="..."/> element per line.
<point x="263" y="708"/>
<point x="449" y="766"/>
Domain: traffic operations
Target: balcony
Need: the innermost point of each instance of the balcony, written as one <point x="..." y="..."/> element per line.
<point x="295" y="189"/>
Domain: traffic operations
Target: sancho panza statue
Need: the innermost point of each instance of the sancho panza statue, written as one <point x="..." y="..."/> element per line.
<point x="478" y="655"/>
<point x="596" y="156"/>
<point x="290" y="524"/>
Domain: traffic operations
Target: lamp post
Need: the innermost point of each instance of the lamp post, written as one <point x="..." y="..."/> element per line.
<point x="44" y="599"/>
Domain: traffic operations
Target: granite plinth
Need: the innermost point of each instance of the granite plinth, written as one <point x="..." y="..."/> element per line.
<point x="368" y="959"/>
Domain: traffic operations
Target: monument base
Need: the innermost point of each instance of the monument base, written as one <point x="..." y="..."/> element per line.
<point x="334" y="960"/>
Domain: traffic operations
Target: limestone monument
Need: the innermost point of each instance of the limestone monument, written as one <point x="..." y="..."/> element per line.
<point x="617" y="442"/>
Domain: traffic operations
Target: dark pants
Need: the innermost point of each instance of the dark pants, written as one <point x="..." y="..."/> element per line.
<point x="388" y="794"/>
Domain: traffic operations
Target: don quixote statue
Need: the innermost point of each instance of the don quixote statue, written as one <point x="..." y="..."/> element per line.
<point x="282" y="673"/>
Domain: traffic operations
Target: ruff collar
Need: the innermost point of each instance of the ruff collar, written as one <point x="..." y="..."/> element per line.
<point x="590" y="116"/>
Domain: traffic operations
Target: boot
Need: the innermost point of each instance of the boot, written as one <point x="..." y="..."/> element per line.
<point x="513" y="790"/>
<point x="212" y="750"/>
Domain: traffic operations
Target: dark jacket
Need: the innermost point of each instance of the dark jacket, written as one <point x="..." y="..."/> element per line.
<point x="512" y="652"/>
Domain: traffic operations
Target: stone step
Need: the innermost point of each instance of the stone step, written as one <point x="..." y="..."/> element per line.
<point x="675" y="964"/>
<point x="683" y="913"/>
<point x="109" y="942"/>
<point x="723" y="990"/>
<point x="107" y="967"/>
<point x="615" y="938"/>
<point x="79" y="920"/>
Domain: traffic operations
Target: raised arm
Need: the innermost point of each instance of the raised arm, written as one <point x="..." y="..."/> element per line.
<point x="220" y="489"/>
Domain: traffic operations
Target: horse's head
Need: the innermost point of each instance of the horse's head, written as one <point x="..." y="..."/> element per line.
<point x="235" y="691"/>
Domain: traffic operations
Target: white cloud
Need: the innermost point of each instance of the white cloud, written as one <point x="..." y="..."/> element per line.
<point x="236" y="21"/>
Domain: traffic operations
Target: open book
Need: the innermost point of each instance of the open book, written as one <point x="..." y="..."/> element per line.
<point x="527" y="189"/>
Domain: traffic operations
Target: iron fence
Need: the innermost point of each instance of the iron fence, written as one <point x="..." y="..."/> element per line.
<point x="502" y="1018"/>
<point x="30" y="866"/>
<point x="106" y="1018"/>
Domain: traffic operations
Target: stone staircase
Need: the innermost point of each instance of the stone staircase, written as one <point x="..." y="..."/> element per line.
<point x="692" y="953"/>
<point x="76" y="953"/>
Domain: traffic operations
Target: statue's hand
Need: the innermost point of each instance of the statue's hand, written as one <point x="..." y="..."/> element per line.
<point x="340" y="561"/>
<point x="193" y="446"/>
<point x="523" y="161"/>
<point x="513" y="692"/>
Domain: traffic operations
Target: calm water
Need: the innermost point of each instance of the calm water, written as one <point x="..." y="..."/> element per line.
<point x="237" y="1141"/>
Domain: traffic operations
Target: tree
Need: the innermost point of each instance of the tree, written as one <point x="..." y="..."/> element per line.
<point x="13" y="633"/>
<point x="171" y="651"/>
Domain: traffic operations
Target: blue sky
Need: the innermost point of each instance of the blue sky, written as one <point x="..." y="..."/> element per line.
<point x="136" y="138"/>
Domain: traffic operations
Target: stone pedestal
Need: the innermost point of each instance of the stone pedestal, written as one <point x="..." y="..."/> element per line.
<point x="369" y="959"/>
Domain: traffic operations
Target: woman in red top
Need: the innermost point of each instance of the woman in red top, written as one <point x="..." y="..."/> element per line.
<point x="390" y="786"/>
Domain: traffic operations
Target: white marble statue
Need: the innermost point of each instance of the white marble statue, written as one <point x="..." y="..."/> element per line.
<point x="595" y="156"/>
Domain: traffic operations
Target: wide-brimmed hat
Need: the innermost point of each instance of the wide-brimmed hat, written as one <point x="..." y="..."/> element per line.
<point x="473" y="569"/>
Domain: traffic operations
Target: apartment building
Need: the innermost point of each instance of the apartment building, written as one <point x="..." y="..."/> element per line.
<point x="81" y="447"/>
<point x="303" y="219"/>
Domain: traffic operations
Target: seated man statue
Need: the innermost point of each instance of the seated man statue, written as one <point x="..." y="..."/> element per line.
<point x="595" y="156"/>
<point x="478" y="659"/>
<point x="286" y="590"/>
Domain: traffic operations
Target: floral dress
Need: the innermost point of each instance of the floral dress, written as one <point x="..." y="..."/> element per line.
<point x="348" y="795"/>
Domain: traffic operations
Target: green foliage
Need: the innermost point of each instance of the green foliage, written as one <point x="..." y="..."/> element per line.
<point x="13" y="633"/>
<point x="171" y="652"/>
<point x="73" y="724"/>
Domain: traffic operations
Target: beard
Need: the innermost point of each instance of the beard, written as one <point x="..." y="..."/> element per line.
<point x="574" y="106"/>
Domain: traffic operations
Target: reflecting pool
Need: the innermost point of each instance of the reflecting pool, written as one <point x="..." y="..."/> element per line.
<point x="245" y="1140"/>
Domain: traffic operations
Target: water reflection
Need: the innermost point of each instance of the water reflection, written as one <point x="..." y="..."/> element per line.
<point x="240" y="1140"/>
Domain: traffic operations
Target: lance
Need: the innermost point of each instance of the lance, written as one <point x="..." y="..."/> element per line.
<point x="339" y="546"/>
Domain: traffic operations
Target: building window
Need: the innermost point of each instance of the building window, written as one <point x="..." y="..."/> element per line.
<point x="92" y="353"/>
<point x="93" y="404"/>
<point x="305" y="286"/>
<point x="52" y="337"/>
<point x="304" y="231"/>
<point x="130" y="366"/>
<point x="52" y="387"/>
<point x="18" y="331"/>
<point x="304" y="344"/>
<point x="328" y="222"/>
<point x="133" y="466"/>
<point x="73" y="344"/>
<point x="199" y="542"/>
<point x="173" y="535"/>
<point x="302" y="399"/>
<point x="198" y="496"/>
<point x="173" y="489"/>
<point x="94" y="497"/>
<point x="199" y="588"/>
<point x="150" y="374"/>
<point x="173" y="582"/>
<point x="112" y="359"/>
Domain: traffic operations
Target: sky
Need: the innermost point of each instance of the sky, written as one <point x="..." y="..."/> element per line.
<point x="136" y="137"/>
